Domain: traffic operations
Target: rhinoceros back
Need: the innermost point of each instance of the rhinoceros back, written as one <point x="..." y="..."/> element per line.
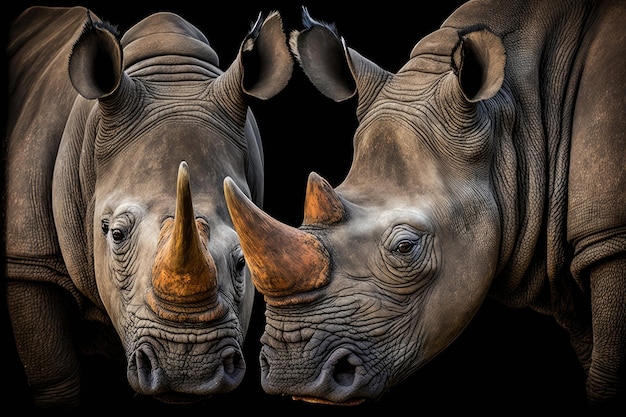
<point x="40" y="99"/>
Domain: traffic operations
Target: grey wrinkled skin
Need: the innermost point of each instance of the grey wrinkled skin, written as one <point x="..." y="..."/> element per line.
<point x="492" y="164"/>
<point x="94" y="150"/>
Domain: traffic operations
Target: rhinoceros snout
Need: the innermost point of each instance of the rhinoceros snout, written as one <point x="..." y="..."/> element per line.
<point x="342" y="380"/>
<point x="148" y="376"/>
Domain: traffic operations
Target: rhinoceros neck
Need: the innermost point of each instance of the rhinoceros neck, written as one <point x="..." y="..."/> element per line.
<point x="530" y="175"/>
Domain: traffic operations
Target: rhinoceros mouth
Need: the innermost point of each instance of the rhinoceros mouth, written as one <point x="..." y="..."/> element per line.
<point x="317" y="400"/>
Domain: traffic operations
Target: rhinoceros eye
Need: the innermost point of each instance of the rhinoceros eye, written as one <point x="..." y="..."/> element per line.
<point x="123" y="224"/>
<point x="406" y="246"/>
<point x="118" y="235"/>
<point x="403" y="246"/>
<point x="240" y="263"/>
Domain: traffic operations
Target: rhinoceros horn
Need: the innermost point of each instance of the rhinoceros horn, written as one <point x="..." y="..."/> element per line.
<point x="184" y="275"/>
<point x="321" y="204"/>
<point x="284" y="260"/>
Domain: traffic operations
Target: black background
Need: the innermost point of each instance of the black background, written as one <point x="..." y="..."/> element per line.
<point x="507" y="362"/>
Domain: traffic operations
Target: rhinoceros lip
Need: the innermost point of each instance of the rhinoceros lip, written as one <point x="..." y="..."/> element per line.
<point x="317" y="400"/>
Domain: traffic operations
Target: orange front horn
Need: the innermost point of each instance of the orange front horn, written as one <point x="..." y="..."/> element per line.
<point x="184" y="275"/>
<point x="283" y="260"/>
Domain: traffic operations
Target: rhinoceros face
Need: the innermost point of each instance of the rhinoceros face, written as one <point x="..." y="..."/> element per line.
<point x="168" y="264"/>
<point x="386" y="281"/>
<point x="171" y="274"/>
<point x="387" y="269"/>
<point x="161" y="136"/>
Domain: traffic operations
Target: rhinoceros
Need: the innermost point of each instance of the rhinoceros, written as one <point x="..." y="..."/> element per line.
<point x="491" y="164"/>
<point x="118" y="239"/>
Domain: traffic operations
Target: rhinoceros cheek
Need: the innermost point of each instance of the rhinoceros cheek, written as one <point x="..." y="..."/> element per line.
<point x="117" y="300"/>
<point x="446" y="314"/>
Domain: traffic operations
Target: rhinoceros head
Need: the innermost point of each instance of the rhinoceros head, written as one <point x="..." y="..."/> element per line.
<point x="161" y="126"/>
<point x="389" y="267"/>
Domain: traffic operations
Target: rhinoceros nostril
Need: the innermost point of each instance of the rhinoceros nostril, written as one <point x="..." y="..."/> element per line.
<point x="344" y="372"/>
<point x="144" y="368"/>
<point x="263" y="363"/>
<point x="143" y="371"/>
<point x="231" y="360"/>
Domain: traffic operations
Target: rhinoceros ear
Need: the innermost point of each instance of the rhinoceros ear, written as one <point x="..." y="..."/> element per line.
<point x="262" y="68"/>
<point x="321" y="54"/>
<point x="479" y="59"/>
<point x="335" y="70"/>
<point x="95" y="65"/>
<point x="265" y="57"/>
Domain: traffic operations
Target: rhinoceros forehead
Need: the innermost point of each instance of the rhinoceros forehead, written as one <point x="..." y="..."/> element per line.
<point x="419" y="120"/>
<point x="416" y="98"/>
<point x="164" y="128"/>
<point x="146" y="168"/>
